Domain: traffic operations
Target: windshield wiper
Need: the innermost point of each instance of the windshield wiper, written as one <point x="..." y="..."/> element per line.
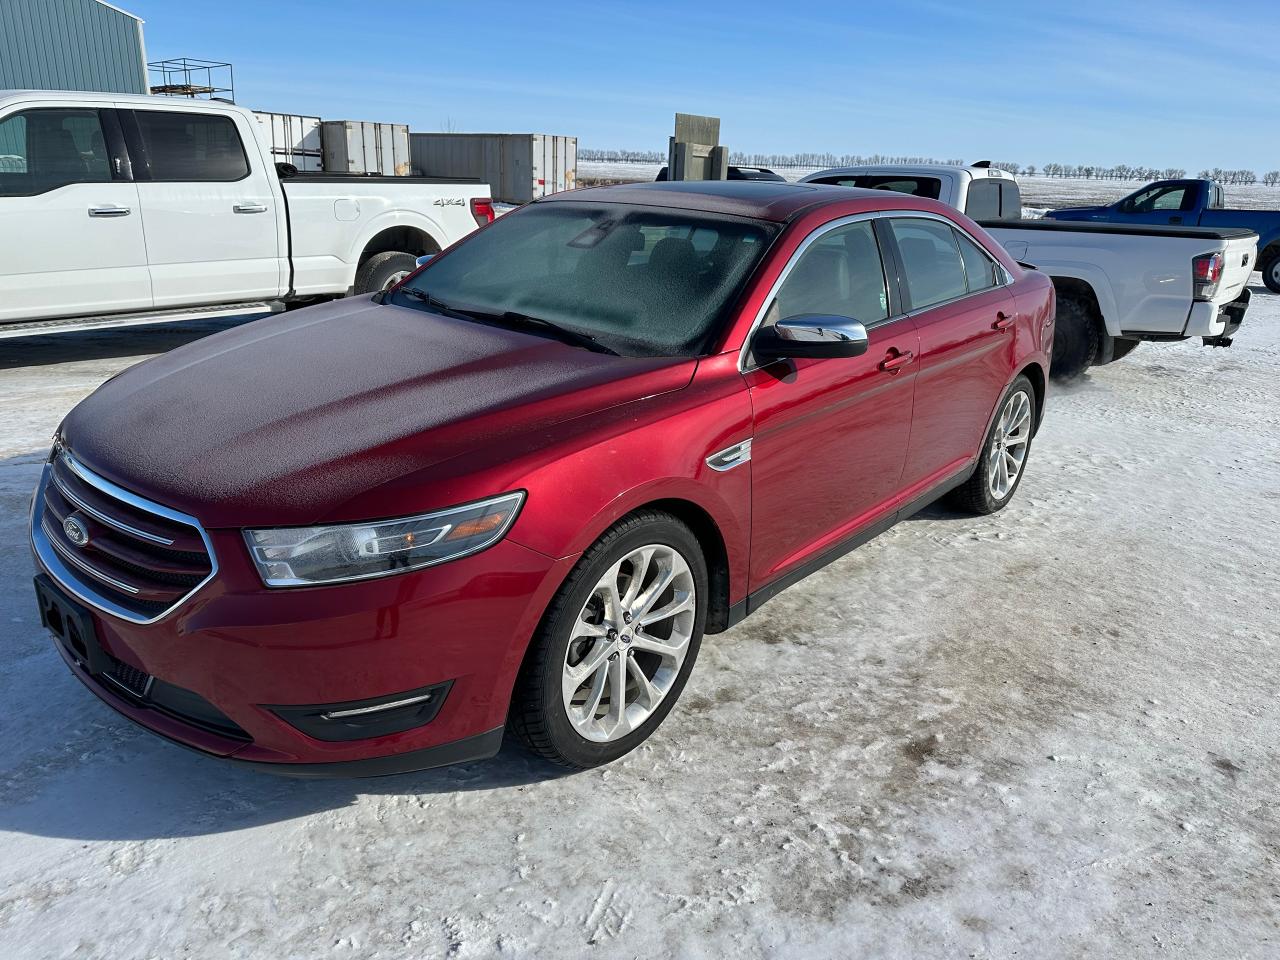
<point x="434" y="303"/>
<point x="565" y="333"/>
<point x="509" y="317"/>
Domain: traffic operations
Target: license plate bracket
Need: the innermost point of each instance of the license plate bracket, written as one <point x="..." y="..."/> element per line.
<point x="72" y="624"/>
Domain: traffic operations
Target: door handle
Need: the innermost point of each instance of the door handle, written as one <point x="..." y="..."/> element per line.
<point x="250" y="208"/>
<point x="1003" y="321"/>
<point x="894" y="361"/>
<point x="109" y="211"/>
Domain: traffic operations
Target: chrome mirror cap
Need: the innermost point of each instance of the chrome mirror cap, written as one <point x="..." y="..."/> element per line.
<point x="820" y="328"/>
<point x="817" y="336"/>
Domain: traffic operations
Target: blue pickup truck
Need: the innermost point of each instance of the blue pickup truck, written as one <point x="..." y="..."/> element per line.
<point x="1192" y="203"/>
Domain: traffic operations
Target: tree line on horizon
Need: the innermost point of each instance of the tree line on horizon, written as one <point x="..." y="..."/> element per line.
<point x="1119" y="171"/>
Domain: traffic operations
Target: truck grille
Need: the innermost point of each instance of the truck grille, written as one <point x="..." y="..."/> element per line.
<point x="123" y="554"/>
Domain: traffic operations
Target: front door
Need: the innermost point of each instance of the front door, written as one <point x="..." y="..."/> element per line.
<point x="71" y="239"/>
<point x="830" y="435"/>
<point x="209" y="210"/>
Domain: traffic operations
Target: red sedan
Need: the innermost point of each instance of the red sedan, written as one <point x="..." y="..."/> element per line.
<point x="514" y="492"/>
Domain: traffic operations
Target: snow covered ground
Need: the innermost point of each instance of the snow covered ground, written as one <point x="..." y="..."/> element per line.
<point x="1038" y="193"/>
<point x="1047" y="733"/>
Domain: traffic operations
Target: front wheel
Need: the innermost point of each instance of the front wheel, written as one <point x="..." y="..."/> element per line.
<point x="1004" y="453"/>
<point x="616" y="645"/>
<point x="1270" y="268"/>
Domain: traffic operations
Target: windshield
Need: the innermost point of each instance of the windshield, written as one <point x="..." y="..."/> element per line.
<point x="639" y="281"/>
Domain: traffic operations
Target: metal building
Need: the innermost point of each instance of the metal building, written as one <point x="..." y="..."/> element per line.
<point x="70" y="45"/>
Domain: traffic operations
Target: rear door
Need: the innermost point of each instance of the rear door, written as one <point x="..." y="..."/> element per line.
<point x="830" y="435"/>
<point x="70" y="233"/>
<point x="959" y="298"/>
<point x="207" y="206"/>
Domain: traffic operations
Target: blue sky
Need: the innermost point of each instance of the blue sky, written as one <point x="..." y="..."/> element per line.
<point x="1160" y="84"/>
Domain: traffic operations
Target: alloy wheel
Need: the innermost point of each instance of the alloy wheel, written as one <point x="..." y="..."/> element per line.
<point x="629" y="642"/>
<point x="1009" y="441"/>
<point x="395" y="278"/>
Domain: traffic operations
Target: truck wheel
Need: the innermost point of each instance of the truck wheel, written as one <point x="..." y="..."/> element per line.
<point x="1270" y="268"/>
<point x="1076" y="340"/>
<point x="616" y="645"/>
<point x="1122" y="348"/>
<point x="1004" y="454"/>
<point x="384" y="269"/>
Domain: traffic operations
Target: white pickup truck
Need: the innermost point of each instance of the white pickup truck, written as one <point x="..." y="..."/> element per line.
<point x="1117" y="284"/>
<point x="119" y="210"/>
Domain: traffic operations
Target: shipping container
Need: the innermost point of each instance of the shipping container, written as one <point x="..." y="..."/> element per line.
<point x="353" y="146"/>
<point x="518" y="166"/>
<point x="294" y="139"/>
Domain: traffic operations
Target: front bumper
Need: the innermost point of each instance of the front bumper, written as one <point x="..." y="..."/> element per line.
<point x="249" y="651"/>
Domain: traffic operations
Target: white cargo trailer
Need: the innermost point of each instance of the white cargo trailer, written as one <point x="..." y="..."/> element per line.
<point x="294" y="139"/>
<point x="355" y="146"/>
<point x="518" y="166"/>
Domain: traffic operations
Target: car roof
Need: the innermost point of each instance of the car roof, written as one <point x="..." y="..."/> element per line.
<point x="757" y="199"/>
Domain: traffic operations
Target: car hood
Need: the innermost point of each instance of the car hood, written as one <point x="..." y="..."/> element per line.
<point x="286" y="419"/>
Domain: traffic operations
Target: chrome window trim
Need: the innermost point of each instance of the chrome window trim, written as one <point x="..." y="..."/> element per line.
<point x="826" y="228"/>
<point x="52" y="562"/>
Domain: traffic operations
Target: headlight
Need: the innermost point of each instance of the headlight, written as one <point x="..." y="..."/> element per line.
<point x="304" y="556"/>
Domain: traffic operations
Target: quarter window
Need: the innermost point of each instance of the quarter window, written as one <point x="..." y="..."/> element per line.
<point x="979" y="269"/>
<point x="191" y="147"/>
<point x="41" y="150"/>
<point x="931" y="261"/>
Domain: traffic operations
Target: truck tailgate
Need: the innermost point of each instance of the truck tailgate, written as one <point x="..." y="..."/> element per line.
<point x="1241" y="258"/>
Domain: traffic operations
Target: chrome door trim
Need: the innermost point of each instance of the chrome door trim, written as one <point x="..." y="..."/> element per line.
<point x="835" y="225"/>
<point x="730" y="457"/>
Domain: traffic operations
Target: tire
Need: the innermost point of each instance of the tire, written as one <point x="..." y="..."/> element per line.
<point x="978" y="494"/>
<point x="540" y="716"/>
<point x="383" y="269"/>
<point x="1122" y="348"/>
<point x="1270" y="267"/>
<point x="1076" y="338"/>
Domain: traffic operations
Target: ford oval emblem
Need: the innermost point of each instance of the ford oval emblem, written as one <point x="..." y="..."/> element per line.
<point x="76" y="531"/>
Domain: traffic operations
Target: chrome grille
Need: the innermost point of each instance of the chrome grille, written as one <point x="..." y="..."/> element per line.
<point x="116" y="551"/>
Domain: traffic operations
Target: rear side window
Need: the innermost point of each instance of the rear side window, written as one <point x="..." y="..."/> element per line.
<point x="984" y="200"/>
<point x="931" y="261"/>
<point x="41" y="150"/>
<point x="191" y="147"/>
<point x="1010" y="201"/>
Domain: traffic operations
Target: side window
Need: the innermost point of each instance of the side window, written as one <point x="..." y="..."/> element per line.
<point x="41" y="150"/>
<point x="930" y="260"/>
<point x="984" y="200"/>
<point x="839" y="274"/>
<point x="1170" y="200"/>
<point x="192" y="147"/>
<point x="979" y="269"/>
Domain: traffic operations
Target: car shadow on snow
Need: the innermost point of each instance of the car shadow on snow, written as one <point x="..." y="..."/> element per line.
<point x="47" y="349"/>
<point x="71" y="767"/>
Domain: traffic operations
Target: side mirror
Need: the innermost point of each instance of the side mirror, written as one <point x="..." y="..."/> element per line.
<point x="811" y="336"/>
<point x="424" y="259"/>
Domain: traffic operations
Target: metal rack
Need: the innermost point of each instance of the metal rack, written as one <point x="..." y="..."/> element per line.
<point x="193" y="78"/>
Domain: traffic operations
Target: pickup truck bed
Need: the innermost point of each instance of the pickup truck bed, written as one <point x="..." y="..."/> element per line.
<point x="1189" y="203"/>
